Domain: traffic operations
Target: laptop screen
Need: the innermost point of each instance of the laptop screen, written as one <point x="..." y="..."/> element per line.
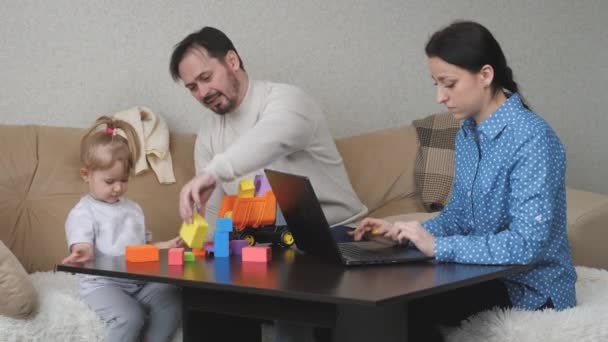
<point x="303" y="214"/>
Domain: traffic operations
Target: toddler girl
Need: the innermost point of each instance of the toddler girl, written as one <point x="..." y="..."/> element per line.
<point x="105" y="222"/>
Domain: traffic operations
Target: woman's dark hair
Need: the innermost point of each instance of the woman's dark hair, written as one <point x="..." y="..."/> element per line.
<point x="211" y="39"/>
<point x="470" y="46"/>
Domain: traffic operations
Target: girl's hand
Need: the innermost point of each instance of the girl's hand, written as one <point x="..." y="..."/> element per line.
<point x="176" y="242"/>
<point x="81" y="253"/>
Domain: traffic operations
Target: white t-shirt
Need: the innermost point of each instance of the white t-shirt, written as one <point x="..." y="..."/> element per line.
<point x="280" y="127"/>
<point x="109" y="227"/>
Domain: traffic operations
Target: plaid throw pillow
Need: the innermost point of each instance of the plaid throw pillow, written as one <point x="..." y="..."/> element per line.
<point x="434" y="169"/>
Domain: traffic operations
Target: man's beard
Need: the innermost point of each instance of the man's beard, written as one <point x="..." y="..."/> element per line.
<point x="231" y="105"/>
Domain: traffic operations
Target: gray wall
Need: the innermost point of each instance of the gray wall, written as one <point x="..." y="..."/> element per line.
<point x="66" y="62"/>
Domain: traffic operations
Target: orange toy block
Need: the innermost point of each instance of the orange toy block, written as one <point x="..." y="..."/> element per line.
<point x="199" y="253"/>
<point x="141" y="253"/>
<point x="257" y="254"/>
<point x="149" y="267"/>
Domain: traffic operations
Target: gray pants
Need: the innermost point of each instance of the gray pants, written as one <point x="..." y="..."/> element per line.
<point x="153" y="312"/>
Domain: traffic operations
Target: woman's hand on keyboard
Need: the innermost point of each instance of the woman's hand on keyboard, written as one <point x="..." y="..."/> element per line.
<point x="416" y="233"/>
<point x="371" y="226"/>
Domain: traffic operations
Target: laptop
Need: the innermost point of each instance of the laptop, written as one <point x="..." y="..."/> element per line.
<point x="312" y="233"/>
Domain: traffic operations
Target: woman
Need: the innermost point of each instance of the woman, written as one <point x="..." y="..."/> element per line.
<point x="508" y="199"/>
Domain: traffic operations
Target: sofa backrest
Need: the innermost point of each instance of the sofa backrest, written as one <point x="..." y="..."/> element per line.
<point x="40" y="183"/>
<point x="380" y="165"/>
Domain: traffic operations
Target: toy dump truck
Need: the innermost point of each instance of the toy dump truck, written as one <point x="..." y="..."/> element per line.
<point x="255" y="219"/>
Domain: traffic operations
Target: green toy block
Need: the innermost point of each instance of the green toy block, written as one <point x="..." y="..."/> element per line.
<point x="194" y="233"/>
<point x="189" y="257"/>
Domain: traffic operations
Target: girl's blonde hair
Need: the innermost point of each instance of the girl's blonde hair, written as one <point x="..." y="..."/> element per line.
<point x="102" y="145"/>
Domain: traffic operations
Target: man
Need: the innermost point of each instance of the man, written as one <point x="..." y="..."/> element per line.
<point x="258" y="125"/>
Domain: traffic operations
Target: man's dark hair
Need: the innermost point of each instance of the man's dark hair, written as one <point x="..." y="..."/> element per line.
<point x="211" y="39"/>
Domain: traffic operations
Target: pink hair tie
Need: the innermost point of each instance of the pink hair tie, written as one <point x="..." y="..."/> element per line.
<point x="110" y="130"/>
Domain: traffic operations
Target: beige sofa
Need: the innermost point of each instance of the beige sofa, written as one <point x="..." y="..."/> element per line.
<point x="381" y="168"/>
<point x="39" y="184"/>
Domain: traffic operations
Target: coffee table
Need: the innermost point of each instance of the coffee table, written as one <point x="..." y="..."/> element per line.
<point x="226" y="298"/>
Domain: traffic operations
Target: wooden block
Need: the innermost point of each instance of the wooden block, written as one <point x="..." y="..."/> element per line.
<point x="261" y="185"/>
<point x="221" y="248"/>
<point x="176" y="256"/>
<point x="209" y="247"/>
<point x="194" y="233"/>
<point x="236" y="246"/>
<point x="199" y="253"/>
<point x="141" y="253"/>
<point x="223" y="225"/>
<point x="189" y="257"/>
<point x="246" y="188"/>
<point x="257" y="254"/>
<point x="148" y="267"/>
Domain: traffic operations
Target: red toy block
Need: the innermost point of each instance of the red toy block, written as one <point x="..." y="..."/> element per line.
<point x="141" y="253"/>
<point x="257" y="254"/>
<point x="176" y="256"/>
<point x="176" y="271"/>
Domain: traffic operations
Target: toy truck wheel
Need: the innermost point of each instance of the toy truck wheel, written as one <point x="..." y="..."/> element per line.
<point x="286" y="239"/>
<point x="249" y="238"/>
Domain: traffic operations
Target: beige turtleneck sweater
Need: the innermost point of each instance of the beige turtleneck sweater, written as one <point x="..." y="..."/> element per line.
<point x="276" y="126"/>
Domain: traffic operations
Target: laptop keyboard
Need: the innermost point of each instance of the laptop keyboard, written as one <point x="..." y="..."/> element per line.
<point x="352" y="251"/>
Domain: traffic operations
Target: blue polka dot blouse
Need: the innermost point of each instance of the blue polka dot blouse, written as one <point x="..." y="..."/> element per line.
<point x="508" y="205"/>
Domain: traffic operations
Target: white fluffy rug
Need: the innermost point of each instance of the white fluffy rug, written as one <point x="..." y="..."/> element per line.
<point x="588" y="321"/>
<point x="64" y="317"/>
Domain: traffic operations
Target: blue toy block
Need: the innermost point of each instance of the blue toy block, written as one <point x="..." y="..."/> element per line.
<point x="223" y="225"/>
<point x="221" y="270"/>
<point x="220" y="245"/>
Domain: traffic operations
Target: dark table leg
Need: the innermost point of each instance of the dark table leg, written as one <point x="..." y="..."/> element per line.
<point x="229" y="316"/>
<point x="212" y="315"/>
<point x="206" y="326"/>
<point x="371" y="323"/>
<point x="212" y="326"/>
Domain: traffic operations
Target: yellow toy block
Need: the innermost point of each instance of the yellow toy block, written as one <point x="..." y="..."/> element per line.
<point x="194" y="233"/>
<point x="246" y="188"/>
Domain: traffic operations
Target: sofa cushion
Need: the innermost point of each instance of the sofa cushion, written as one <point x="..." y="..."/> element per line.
<point x="380" y="165"/>
<point x="397" y="207"/>
<point x="18" y="298"/>
<point x="434" y="170"/>
<point x="587" y="219"/>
